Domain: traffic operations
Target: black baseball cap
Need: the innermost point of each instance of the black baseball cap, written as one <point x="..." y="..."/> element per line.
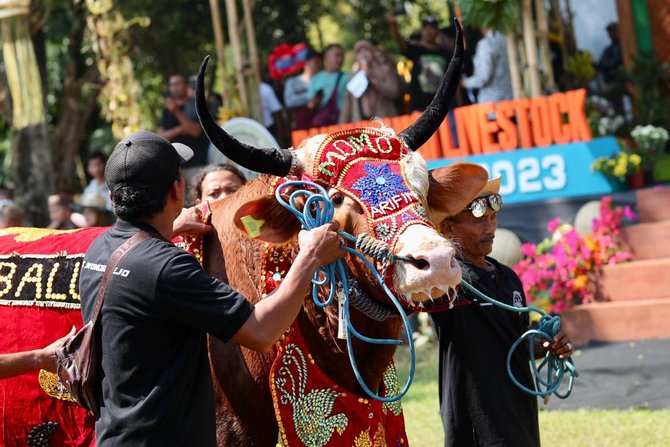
<point x="430" y="20"/>
<point x="145" y="160"/>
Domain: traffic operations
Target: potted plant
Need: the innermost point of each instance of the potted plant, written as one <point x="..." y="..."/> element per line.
<point x="648" y="142"/>
<point x="623" y="167"/>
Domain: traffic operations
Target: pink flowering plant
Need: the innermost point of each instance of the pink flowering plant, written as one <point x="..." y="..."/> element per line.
<point x="558" y="272"/>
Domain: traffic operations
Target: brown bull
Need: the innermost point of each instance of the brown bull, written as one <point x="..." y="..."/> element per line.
<point x="379" y="185"/>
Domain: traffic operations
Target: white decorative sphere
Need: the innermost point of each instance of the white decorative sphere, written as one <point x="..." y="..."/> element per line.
<point x="506" y="247"/>
<point x="585" y="215"/>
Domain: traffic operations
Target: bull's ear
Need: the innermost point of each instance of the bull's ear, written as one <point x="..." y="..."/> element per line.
<point x="453" y="187"/>
<point x="266" y="220"/>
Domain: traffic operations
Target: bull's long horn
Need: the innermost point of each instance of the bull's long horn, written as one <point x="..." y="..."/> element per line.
<point x="424" y="127"/>
<point x="265" y="160"/>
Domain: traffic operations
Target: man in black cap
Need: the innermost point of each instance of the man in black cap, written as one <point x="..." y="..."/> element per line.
<point x="429" y="60"/>
<point x="155" y="384"/>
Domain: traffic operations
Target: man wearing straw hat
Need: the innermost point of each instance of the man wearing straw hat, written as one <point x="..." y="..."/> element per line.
<point x="479" y="403"/>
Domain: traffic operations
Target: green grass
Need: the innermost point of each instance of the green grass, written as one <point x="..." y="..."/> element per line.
<point x="578" y="428"/>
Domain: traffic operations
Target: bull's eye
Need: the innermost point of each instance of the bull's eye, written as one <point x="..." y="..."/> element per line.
<point x="337" y="199"/>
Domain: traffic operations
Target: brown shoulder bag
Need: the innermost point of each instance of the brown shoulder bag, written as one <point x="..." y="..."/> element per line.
<point x="78" y="360"/>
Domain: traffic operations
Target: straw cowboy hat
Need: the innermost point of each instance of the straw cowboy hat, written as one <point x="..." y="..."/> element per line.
<point x="492" y="187"/>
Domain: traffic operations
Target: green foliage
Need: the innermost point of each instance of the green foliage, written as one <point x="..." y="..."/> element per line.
<point x="651" y="80"/>
<point x="500" y="15"/>
<point x="581" y="66"/>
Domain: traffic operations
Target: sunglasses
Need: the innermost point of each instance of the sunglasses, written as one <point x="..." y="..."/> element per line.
<point x="479" y="206"/>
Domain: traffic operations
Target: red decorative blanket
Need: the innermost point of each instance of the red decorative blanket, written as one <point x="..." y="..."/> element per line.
<point x="311" y="409"/>
<point x="39" y="302"/>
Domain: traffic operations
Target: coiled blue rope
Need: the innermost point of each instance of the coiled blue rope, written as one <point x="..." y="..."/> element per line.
<point x="556" y="368"/>
<point x="319" y="210"/>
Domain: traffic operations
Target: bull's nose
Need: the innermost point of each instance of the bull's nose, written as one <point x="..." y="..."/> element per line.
<point x="421" y="264"/>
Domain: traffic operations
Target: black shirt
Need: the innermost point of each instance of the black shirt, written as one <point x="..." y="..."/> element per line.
<point x="199" y="145"/>
<point x="428" y="67"/>
<point x="156" y="385"/>
<point x="480" y="405"/>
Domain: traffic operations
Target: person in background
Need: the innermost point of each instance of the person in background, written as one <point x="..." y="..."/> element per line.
<point x="192" y="82"/>
<point x="11" y="215"/>
<point x="96" y="169"/>
<point x="611" y="58"/>
<point x="214" y="102"/>
<point x="23" y="362"/>
<point x="60" y="215"/>
<point x="327" y="88"/>
<point x="179" y="123"/>
<point x="296" y="91"/>
<point x="429" y="60"/>
<point x="272" y="118"/>
<point x="215" y="182"/>
<point x="383" y="89"/>
<point x="479" y="403"/>
<point x="91" y="211"/>
<point x="491" y="69"/>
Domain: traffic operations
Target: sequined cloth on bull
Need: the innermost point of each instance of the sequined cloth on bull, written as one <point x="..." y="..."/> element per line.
<point x="365" y="164"/>
<point x="310" y="408"/>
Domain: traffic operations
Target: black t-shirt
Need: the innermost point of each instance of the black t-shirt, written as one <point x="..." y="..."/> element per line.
<point x="479" y="403"/>
<point x="428" y="67"/>
<point x="156" y="384"/>
<point x="199" y="145"/>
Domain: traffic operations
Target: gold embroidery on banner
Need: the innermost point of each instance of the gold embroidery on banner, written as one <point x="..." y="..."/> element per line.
<point x="23" y="234"/>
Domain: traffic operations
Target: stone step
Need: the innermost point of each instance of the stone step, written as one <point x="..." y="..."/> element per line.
<point x="652" y="204"/>
<point x="648" y="240"/>
<point x="636" y="280"/>
<point x="618" y="321"/>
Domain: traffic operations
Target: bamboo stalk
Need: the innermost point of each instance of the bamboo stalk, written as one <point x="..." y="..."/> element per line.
<point x="513" y="61"/>
<point x="254" y="87"/>
<point x="231" y="12"/>
<point x="543" y="37"/>
<point x="220" y="47"/>
<point x="530" y="47"/>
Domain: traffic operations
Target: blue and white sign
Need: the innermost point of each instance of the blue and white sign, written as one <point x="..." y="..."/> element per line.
<point x="557" y="171"/>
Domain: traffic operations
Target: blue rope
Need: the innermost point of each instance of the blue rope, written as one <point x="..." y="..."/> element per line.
<point x="319" y="210"/>
<point x="548" y="327"/>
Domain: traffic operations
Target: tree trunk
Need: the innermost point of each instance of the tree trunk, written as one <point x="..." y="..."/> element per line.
<point x="220" y="49"/>
<point x="513" y="61"/>
<point x="78" y="104"/>
<point x="81" y="87"/>
<point x="531" y="47"/>
<point x="31" y="158"/>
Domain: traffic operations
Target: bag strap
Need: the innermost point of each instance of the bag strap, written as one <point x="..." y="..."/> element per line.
<point x="336" y="89"/>
<point x="111" y="265"/>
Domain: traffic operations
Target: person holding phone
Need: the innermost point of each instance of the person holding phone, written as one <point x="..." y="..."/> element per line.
<point x="380" y="87"/>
